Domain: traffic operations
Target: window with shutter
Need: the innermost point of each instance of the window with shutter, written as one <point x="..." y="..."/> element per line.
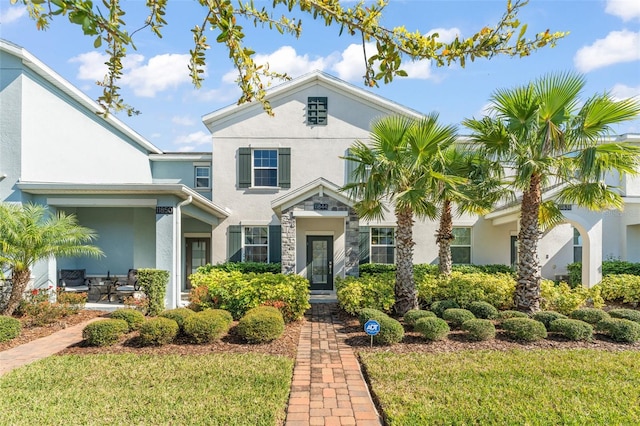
<point x="263" y="167"/>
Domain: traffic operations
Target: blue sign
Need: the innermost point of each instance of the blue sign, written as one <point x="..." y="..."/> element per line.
<point x="372" y="327"/>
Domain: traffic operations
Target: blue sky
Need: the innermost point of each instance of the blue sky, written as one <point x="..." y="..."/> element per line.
<point x="603" y="44"/>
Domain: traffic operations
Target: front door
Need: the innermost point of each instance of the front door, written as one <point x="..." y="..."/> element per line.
<point x="198" y="254"/>
<point x="320" y="262"/>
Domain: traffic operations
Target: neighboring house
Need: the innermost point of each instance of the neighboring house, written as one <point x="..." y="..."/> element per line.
<point x="57" y="151"/>
<point x="268" y="192"/>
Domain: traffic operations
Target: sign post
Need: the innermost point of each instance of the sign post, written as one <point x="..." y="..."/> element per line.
<point x="372" y="327"/>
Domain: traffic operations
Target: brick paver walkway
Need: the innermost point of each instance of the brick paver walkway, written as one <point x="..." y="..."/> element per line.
<point x="41" y="348"/>
<point x="328" y="387"/>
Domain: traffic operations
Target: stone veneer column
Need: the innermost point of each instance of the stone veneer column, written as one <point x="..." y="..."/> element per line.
<point x="352" y="244"/>
<point x="288" y="228"/>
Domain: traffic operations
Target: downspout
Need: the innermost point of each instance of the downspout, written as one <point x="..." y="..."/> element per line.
<point x="177" y="284"/>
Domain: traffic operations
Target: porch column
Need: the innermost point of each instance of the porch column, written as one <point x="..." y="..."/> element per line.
<point x="288" y="233"/>
<point x="352" y="244"/>
<point x="165" y="243"/>
<point x="592" y="255"/>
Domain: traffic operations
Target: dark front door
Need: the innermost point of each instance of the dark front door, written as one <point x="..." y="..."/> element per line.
<point x="320" y="262"/>
<point x="198" y="254"/>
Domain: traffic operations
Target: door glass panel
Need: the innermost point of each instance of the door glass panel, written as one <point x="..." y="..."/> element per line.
<point x="199" y="255"/>
<point x="319" y="264"/>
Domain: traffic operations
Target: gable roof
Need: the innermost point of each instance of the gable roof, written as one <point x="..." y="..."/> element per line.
<point x="42" y="70"/>
<point x="319" y="186"/>
<point x="309" y="79"/>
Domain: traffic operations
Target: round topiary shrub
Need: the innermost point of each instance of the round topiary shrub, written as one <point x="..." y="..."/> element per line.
<point x="503" y="315"/>
<point x="547" y="317"/>
<point x="572" y="329"/>
<point x="432" y="329"/>
<point x="366" y="314"/>
<point x="524" y="329"/>
<point x="179" y="315"/>
<point x="479" y="329"/>
<point x="438" y="307"/>
<point x="133" y="317"/>
<point x="261" y="325"/>
<point x="620" y="329"/>
<point x="9" y="328"/>
<point x="414" y="315"/>
<point x="206" y="326"/>
<point x="226" y="315"/>
<point x="105" y="332"/>
<point x="484" y="310"/>
<point x="589" y="315"/>
<point x="391" y="331"/>
<point x="629" y="314"/>
<point x="456" y="316"/>
<point x="158" y="331"/>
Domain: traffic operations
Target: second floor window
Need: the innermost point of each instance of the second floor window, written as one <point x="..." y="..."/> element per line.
<point x="383" y="245"/>
<point x="265" y="167"/>
<point x="203" y="177"/>
<point x="256" y="244"/>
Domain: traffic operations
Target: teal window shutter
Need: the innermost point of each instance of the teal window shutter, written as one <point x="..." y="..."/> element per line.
<point x="284" y="167"/>
<point x="275" y="243"/>
<point x="234" y="233"/>
<point x="244" y="167"/>
<point x="364" y="244"/>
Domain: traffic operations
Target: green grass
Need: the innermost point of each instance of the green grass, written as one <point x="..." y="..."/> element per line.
<point x="568" y="387"/>
<point x="216" y="389"/>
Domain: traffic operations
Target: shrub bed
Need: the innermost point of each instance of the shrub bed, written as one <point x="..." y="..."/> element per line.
<point x="547" y="317"/>
<point x="620" y="330"/>
<point x="456" y="316"/>
<point x="524" y="329"/>
<point x="589" y="315"/>
<point x="629" y="314"/>
<point x="133" y="317"/>
<point x="484" y="310"/>
<point x="479" y="329"/>
<point x="623" y="288"/>
<point x="104" y="332"/>
<point x="564" y="299"/>
<point x="158" y="331"/>
<point x="179" y="315"/>
<point x="9" y="328"/>
<point x="414" y="315"/>
<point x="260" y="325"/>
<point x="367" y="291"/>
<point x="572" y="329"/>
<point x="206" y="326"/>
<point x="432" y="329"/>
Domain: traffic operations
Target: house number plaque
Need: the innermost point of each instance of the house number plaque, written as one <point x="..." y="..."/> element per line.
<point x="320" y="206"/>
<point x="164" y="210"/>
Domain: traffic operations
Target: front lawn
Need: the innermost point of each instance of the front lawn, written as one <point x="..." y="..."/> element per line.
<point x="214" y="389"/>
<point x="535" y="387"/>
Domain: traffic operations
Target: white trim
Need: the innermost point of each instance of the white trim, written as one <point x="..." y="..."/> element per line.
<point x="319" y="213"/>
<point x="255" y="222"/>
<point x="101" y="202"/>
<point x="187" y="157"/>
<point x="320" y="234"/>
<point x="196" y="235"/>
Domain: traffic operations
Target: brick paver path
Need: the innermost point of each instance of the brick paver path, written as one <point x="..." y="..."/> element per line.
<point x="328" y="387"/>
<point x="41" y="348"/>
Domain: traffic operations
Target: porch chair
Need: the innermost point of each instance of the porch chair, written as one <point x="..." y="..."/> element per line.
<point x="73" y="280"/>
<point x="131" y="286"/>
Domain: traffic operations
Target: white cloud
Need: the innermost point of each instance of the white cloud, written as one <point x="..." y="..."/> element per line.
<point x="622" y="91"/>
<point x="194" y="139"/>
<point x="183" y="120"/>
<point x="12" y="14"/>
<point x="160" y="73"/>
<point x="351" y="65"/>
<point x="625" y="9"/>
<point x="446" y="35"/>
<point x="616" y="47"/>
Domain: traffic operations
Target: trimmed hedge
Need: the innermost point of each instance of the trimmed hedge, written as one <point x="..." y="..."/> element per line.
<point x="524" y="329"/>
<point x="503" y="315"/>
<point x="414" y="315"/>
<point x="547" y="317"/>
<point x="496" y="289"/>
<point x="369" y="313"/>
<point x="133" y="317"/>
<point x="572" y="329"/>
<point x="440" y="306"/>
<point x="479" y="329"/>
<point x="206" y="326"/>
<point x="630" y="314"/>
<point x="179" y="315"/>
<point x="564" y="299"/>
<point x="609" y="267"/>
<point x="589" y="315"/>
<point x="158" y="331"/>
<point x="484" y="310"/>
<point x="391" y="331"/>
<point x="260" y="325"/>
<point x="620" y="288"/>
<point x="153" y="283"/>
<point x="367" y="291"/>
<point x="457" y="316"/>
<point x="10" y="328"/>
<point x="432" y="329"/>
<point x="620" y="330"/>
<point x="104" y="332"/>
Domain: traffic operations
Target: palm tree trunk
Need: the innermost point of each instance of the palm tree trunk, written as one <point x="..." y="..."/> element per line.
<point x="20" y="279"/>
<point x="527" y="296"/>
<point x="444" y="238"/>
<point x="405" y="289"/>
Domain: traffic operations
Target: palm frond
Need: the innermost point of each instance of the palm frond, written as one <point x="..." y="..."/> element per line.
<point x="592" y="195"/>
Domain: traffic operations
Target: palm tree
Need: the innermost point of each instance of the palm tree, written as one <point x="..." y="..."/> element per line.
<point x="477" y="191"/>
<point x="548" y="137"/>
<point x="399" y="167"/>
<point x="30" y="233"/>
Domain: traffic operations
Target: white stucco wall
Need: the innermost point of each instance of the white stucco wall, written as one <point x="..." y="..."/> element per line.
<point x="84" y="149"/>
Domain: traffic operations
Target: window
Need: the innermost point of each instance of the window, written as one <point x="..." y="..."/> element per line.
<point x="577" y="246"/>
<point x="256" y="244"/>
<point x="203" y="177"/>
<point x="461" y="246"/>
<point x="317" y="110"/>
<point x="264" y="167"/>
<point x="383" y="245"/>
